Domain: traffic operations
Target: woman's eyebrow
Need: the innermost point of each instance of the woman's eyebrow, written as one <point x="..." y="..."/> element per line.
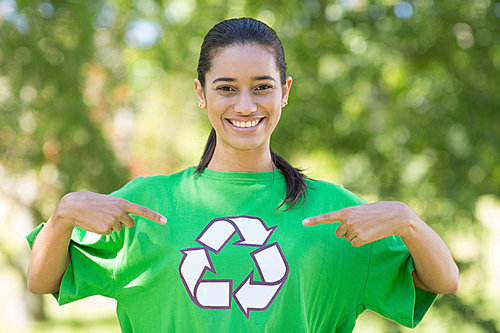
<point x="255" y="78"/>
<point x="228" y="79"/>
<point x="264" y="77"/>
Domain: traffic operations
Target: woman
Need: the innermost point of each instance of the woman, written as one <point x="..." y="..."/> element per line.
<point x="239" y="252"/>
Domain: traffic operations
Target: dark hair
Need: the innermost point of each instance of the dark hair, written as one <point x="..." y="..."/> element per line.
<point x="240" y="31"/>
<point x="247" y="31"/>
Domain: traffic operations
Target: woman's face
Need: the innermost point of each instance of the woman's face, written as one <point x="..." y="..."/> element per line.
<point x="243" y="96"/>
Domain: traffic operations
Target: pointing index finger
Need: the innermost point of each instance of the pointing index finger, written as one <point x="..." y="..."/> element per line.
<point x="139" y="210"/>
<point x="336" y="216"/>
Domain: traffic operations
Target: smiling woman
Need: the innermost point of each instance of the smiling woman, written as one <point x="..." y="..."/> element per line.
<point x="242" y="201"/>
<point x="246" y="61"/>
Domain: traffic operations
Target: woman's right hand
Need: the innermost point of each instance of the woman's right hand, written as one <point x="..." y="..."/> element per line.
<point x="99" y="213"/>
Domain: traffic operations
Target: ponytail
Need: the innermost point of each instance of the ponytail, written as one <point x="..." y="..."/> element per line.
<point x="295" y="179"/>
<point x="208" y="152"/>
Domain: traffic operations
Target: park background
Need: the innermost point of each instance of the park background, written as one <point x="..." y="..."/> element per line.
<point x="397" y="100"/>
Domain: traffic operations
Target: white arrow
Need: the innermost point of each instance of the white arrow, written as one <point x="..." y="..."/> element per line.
<point x="193" y="266"/>
<point x="215" y="294"/>
<point x="252" y="295"/>
<point x="271" y="263"/>
<point x="216" y="235"/>
<point x="253" y="231"/>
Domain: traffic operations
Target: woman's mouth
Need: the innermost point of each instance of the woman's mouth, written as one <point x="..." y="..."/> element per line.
<point x="245" y="124"/>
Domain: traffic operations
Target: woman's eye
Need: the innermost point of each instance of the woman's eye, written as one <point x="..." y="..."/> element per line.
<point x="264" y="87"/>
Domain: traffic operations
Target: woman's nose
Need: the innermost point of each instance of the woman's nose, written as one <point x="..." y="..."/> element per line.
<point x="245" y="104"/>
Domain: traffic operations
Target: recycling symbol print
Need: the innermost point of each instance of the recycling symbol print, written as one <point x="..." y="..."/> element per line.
<point x="250" y="295"/>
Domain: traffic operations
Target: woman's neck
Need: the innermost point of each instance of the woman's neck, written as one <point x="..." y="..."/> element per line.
<point x="230" y="159"/>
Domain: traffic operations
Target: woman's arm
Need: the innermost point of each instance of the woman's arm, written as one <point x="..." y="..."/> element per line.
<point x="93" y="212"/>
<point x="435" y="270"/>
<point x="49" y="257"/>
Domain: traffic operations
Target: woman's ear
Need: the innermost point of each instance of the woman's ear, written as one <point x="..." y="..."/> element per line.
<point x="286" y="91"/>
<point x="200" y="94"/>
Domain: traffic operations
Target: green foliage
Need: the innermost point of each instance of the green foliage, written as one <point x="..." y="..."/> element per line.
<point x="404" y="109"/>
<point x="45" y="122"/>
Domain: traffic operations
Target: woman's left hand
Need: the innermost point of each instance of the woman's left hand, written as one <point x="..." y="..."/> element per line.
<point x="367" y="223"/>
<point x="435" y="270"/>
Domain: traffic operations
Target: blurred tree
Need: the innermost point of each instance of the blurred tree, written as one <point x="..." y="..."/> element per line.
<point x="46" y="125"/>
<point x="397" y="99"/>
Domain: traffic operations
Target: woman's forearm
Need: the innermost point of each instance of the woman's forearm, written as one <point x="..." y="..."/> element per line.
<point x="435" y="269"/>
<point x="50" y="256"/>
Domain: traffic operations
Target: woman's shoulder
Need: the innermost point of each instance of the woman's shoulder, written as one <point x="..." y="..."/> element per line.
<point x="332" y="191"/>
<point x="321" y="186"/>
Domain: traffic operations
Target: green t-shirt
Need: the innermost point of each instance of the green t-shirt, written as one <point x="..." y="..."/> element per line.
<point x="228" y="261"/>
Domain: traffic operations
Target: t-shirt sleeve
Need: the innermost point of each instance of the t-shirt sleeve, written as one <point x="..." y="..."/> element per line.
<point x="92" y="259"/>
<point x="389" y="287"/>
<point x="90" y="269"/>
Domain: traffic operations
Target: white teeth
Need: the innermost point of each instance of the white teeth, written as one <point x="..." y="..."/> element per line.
<point x="243" y="124"/>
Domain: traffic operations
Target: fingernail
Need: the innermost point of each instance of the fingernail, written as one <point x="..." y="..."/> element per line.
<point x="163" y="220"/>
<point x="306" y="221"/>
